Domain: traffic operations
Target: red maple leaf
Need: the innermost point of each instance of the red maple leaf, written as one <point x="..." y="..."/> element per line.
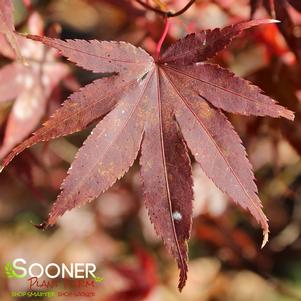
<point x="141" y="279"/>
<point x="280" y="10"/>
<point x="29" y="85"/>
<point x="7" y="26"/>
<point x="159" y="106"/>
<point x="270" y="5"/>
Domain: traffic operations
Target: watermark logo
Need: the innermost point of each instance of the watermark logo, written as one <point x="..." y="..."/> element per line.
<point x="10" y="272"/>
<point x="53" y="276"/>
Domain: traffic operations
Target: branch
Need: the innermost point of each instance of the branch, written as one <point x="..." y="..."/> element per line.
<point x="181" y="11"/>
<point x="149" y="7"/>
<point x="168" y="14"/>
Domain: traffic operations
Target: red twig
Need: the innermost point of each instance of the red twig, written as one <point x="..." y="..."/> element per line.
<point x="168" y="14"/>
<point x="164" y="34"/>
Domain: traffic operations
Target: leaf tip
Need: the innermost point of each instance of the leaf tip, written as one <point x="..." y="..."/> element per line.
<point x="287" y="114"/>
<point x="257" y="22"/>
<point x="52" y="219"/>
<point x="43" y="226"/>
<point x="273" y="21"/>
<point x="265" y="238"/>
<point x="183" y="277"/>
<point x="181" y="284"/>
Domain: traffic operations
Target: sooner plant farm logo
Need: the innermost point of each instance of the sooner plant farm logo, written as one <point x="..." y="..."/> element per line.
<point x="74" y="279"/>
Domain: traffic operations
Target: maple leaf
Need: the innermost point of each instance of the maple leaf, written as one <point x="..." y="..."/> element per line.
<point x="280" y="10"/>
<point x="140" y="280"/>
<point x="271" y="4"/>
<point x="30" y="85"/>
<point x="7" y="26"/>
<point x="296" y="4"/>
<point x="159" y="106"/>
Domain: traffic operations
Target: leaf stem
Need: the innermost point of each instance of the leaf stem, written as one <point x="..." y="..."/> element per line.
<point x="168" y="14"/>
<point x="163" y="36"/>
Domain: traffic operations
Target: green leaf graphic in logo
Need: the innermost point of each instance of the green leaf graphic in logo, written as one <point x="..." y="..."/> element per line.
<point x="10" y="272"/>
<point x="98" y="279"/>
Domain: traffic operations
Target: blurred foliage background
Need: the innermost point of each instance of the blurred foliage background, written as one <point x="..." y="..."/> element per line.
<point x="114" y="232"/>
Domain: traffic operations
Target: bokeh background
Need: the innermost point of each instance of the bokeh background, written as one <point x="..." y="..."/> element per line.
<point x="114" y="232"/>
